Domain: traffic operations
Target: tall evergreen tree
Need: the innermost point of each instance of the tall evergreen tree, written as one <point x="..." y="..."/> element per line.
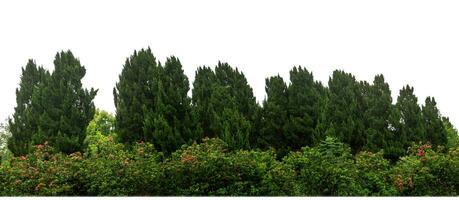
<point x="411" y="123"/>
<point x="64" y="107"/>
<point x="434" y="129"/>
<point x="170" y="123"/>
<point x="343" y="111"/>
<point x="225" y="89"/>
<point x="274" y="114"/>
<point x="303" y="108"/>
<point x="133" y="96"/>
<point x="379" y="105"/>
<point x="24" y="123"/>
<point x="203" y="84"/>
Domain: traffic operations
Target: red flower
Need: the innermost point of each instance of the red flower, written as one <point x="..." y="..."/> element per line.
<point x="421" y="152"/>
<point x="399" y="182"/>
<point x="37" y="188"/>
<point x="410" y="182"/>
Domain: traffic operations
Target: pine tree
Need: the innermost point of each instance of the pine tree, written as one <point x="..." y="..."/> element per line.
<point x="133" y="96"/>
<point x="379" y="105"/>
<point x="64" y="107"/>
<point x="169" y="124"/>
<point x="274" y="114"/>
<point x="224" y="89"/>
<point x="203" y="84"/>
<point x="303" y="108"/>
<point x="178" y="103"/>
<point x="434" y="129"/>
<point x="411" y="124"/>
<point x="23" y="124"/>
<point x="343" y="112"/>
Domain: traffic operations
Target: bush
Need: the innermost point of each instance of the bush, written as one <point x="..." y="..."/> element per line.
<point x="374" y="174"/>
<point x="114" y="171"/>
<point x="211" y="169"/>
<point x="327" y="170"/>
<point x="423" y="172"/>
<point x="40" y="173"/>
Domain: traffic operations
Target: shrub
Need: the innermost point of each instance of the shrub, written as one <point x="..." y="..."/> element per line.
<point x="422" y="172"/>
<point x="374" y="174"/>
<point x="211" y="169"/>
<point x="327" y="170"/>
<point x="41" y="173"/>
<point x="114" y="171"/>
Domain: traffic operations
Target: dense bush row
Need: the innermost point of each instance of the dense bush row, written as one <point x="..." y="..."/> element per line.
<point x="211" y="168"/>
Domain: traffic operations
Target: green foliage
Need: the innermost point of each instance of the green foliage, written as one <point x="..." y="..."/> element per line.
<point x="425" y="172"/>
<point x="303" y="109"/>
<point x="379" y="106"/>
<point x="374" y="174"/>
<point x="114" y="171"/>
<point x="451" y="134"/>
<point x="133" y="96"/>
<point x="344" y="113"/>
<point x="225" y="93"/>
<point x="327" y="170"/>
<point x="211" y="169"/>
<point x="434" y="128"/>
<point x="41" y="173"/>
<point x="274" y="114"/>
<point x="23" y="123"/>
<point x="411" y="123"/>
<point x="152" y="103"/>
<point x="64" y="107"/>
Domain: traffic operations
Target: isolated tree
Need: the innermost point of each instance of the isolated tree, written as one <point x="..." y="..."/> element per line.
<point x="379" y="105"/>
<point x="64" y="107"/>
<point x="23" y="123"/>
<point x="434" y="129"/>
<point x="133" y="96"/>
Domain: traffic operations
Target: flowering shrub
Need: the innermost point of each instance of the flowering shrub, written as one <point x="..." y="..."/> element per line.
<point x="113" y="171"/>
<point x="40" y="173"/>
<point x="211" y="168"/>
<point x="422" y="172"/>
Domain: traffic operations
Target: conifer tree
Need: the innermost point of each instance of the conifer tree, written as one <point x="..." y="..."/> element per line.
<point x="133" y="96"/>
<point x="274" y="114"/>
<point x="23" y="124"/>
<point x="303" y="108"/>
<point x="434" y="129"/>
<point x="169" y="124"/>
<point x="411" y="123"/>
<point x="225" y="89"/>
<point x="343" y="111"/>
<point x="379" y="105"/>
<point x="64" y="107"/>
<point x="203" y="84"/>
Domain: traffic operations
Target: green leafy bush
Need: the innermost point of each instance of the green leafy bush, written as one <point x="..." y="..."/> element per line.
<point x="41" y="173"/>
<point x="327" y="170"/>
<point x="211" y="169"/>
<point x="114" y="171"/>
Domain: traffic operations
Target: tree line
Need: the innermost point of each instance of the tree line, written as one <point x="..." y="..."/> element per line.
<point x="152" y="106"/>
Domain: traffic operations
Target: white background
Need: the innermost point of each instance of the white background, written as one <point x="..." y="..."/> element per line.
<point x="410" y="42"/>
